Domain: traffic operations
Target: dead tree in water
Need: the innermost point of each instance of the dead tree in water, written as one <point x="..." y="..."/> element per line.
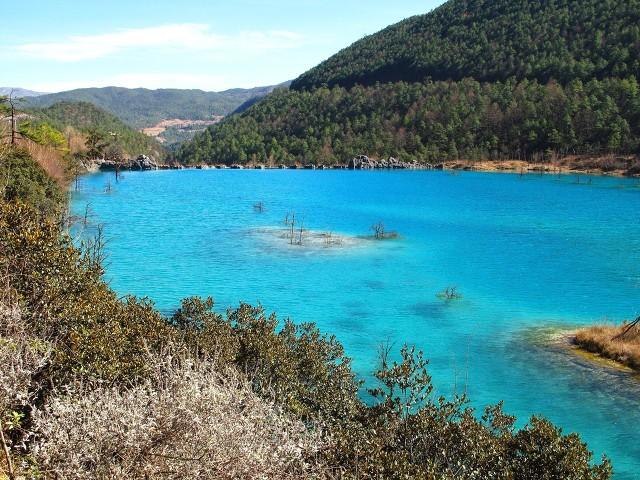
<point x="258" y="207"/>
<point x="290" y="222"/>
<point x="87" y="215"/>
<point x="450" y="293"/>
<point x="378" y="230"/>
<point x="301" y="231"/>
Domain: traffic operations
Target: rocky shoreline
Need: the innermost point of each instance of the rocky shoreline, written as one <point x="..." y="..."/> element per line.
<point x="619" y="166"/>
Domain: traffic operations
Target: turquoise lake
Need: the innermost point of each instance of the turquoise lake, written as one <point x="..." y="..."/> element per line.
<point x="530" y="254"/>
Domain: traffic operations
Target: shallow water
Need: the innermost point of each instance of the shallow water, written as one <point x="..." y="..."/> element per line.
<point x="524" y="251"/>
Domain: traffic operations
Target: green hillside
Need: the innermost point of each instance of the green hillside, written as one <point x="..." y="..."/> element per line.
<point x="85" y="117"/>
<point x="493" y="40"/>
<point x="517" y="79"/>
<point x="141" y="107"/>
<point x="428" y="122"/>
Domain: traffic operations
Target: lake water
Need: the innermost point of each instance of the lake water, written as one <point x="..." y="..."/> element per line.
<point x="528" y="253"/>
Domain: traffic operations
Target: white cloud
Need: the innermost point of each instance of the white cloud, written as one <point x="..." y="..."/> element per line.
<point x="179" y="37"/>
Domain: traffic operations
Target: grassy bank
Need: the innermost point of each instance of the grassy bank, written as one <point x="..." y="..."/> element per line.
<point x="619" y="343"/>
<point x="612" y="165"/>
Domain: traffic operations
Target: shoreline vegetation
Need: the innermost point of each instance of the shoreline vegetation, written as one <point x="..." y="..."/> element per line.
<point x="619" y="343"/>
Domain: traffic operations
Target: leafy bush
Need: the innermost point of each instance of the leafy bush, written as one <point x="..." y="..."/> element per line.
<point x="296" y="366"/>
<point x="43" y="134"/>
<point x="21" y="178"/>
<point x="63" y="297"/>
<point x="409" y="434"/>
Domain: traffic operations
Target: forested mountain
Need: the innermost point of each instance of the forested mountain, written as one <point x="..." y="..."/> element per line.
<point x="493" y="40"/>
<point x="428" y="121"/>
<point x="86" y="118"/>
<point x="500" y="79"/>
<point x="141" y="107"/>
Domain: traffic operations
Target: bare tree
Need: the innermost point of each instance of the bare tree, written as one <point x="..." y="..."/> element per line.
<point x="629" y="327"/>
<point x="301" y="231"/>
<point x="290" y="221"/>
<point x="378" y="230"/>
<point x="8" y="105"/>
<point x="14" y="128"/>
<point x="450" y="293"/>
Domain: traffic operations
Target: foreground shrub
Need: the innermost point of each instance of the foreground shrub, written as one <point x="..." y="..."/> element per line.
<point x="23" y="179"/>
<point x="63" y="298"/>
<point x="405" y="432"/>
<point x="409" y="434"/>
<point x="186" y="421"/>
<point x="295" y="365"/>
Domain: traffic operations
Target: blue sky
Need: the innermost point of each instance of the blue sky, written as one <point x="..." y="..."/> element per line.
<point x="51" y="46"/>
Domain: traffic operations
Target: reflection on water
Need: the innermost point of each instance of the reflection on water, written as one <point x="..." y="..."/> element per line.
<point x="528" y="252"/>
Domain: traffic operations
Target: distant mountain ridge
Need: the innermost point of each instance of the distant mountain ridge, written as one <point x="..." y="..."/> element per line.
<point x="19" y="92"/>
<point x="143" y="108"/>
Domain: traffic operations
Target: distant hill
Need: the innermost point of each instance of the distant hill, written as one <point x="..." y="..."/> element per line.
<point x="142" y="108"/>
<point x="19" y="92"/>
<point x="84" y="116"/>
<point x="492" y="40"/>
<point x="473" y="79"/>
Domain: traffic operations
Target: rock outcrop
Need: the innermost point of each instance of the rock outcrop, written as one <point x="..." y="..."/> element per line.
<point x="141" y="163"/>
<point x="362" y="162"/>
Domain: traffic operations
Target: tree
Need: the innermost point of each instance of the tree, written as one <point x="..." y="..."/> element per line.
<point x="8" y="109"/>
<point x="96" y="144"/>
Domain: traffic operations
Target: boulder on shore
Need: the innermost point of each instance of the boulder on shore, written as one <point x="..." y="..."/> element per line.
<point x="142" y="162"/>
<point x="362" y="162"/>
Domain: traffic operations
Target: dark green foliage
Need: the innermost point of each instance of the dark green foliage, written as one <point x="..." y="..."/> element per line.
<point x="21" y="178"/>
<point x="492" y="40"/>
<point x="89" y="119"/>
<point x="295" y="365"/>
<point x="94" y="335"/>
<point x="96" y="143"/>
<point x="409" y="434"/>
<point x="429" y="121"/>
<point x="144" y="108"/>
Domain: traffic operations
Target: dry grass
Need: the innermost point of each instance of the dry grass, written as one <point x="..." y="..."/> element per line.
<point x="606" y="341"/>
<point x="50" y="159"/>
<point x="76" y="140"/>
